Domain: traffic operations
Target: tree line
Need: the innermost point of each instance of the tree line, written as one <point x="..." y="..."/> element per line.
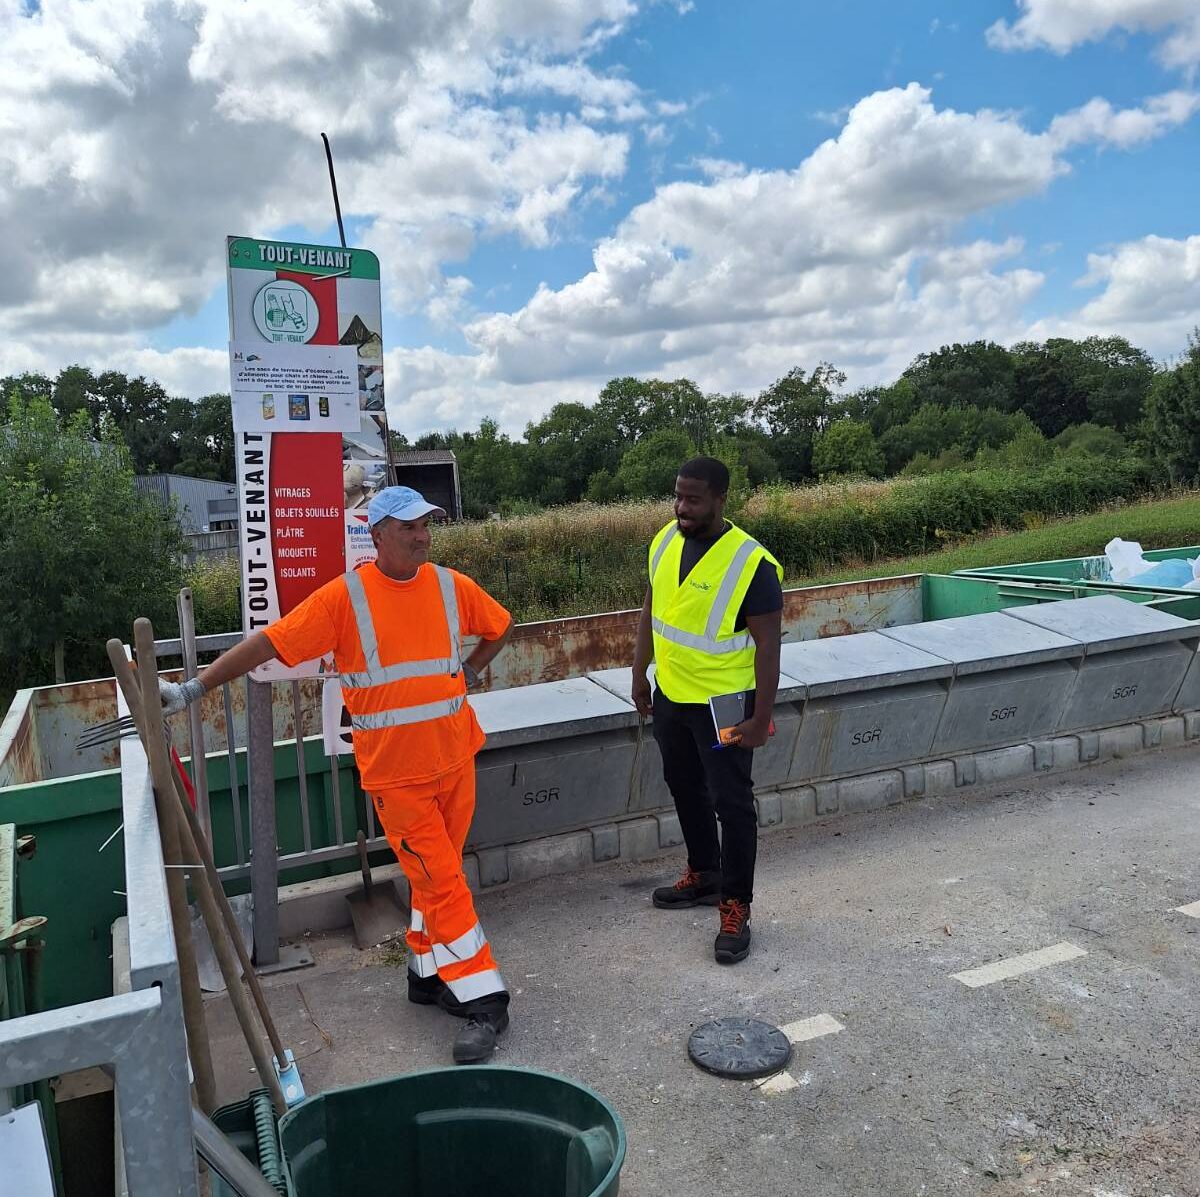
<point x="164" y="434"/>
<point x="963" y="404"/>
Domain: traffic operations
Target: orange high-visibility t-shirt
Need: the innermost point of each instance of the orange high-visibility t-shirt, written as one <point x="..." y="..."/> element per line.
<point x="410" y="625"/>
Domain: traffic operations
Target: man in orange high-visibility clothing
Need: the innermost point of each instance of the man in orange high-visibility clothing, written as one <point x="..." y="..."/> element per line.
<point x="395" y="627"/>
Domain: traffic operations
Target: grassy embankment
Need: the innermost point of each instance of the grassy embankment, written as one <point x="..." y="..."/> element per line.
<point x="1156" y="523"/>
<point x="586" y="559"/>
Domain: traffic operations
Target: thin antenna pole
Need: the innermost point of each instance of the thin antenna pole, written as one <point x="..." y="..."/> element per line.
<point x="337" y="207"/>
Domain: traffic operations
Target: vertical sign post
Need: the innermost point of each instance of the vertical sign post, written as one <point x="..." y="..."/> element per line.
<point x="310" y="429"/>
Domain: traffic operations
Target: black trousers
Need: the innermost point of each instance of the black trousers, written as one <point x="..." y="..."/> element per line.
<point x="708" y="784"/>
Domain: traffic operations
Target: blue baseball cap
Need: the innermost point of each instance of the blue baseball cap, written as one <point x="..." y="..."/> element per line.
<point x="401" y="503"/>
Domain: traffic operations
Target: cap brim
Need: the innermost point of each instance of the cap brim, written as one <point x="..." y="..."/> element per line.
<point x="417" y="511"/>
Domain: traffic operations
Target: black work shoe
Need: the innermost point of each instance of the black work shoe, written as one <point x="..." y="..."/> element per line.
<point x="733" y="940"/>
<point x="477" y="1040"/>
<point x="692" y="889"/>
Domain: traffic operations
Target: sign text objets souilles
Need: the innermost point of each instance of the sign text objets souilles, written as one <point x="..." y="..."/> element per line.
<point x="301" y="255"/>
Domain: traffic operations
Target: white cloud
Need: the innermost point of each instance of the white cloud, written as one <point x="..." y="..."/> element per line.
<point x="850" y="257"/>
<point x="710" y="275"/>
<point x="603" y="95"/>
<point x="1097" y="121"/>
<point x="1061" y="25"/>
<point x="135" y="134"/>
<point x="1150" y="294"/>
<point x="719" y="168"/>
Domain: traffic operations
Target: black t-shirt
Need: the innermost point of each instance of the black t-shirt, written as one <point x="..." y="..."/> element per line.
<point x="765" y="594"/>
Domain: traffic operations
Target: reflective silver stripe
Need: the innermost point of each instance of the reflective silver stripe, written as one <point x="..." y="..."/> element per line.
<point x="375" y="720"/>
<point x="477" y="985"/>
<point x="421" y="964"/>
<point x="416" y="920"/>
<point x="450" y="603"/>
<point x="662" y="548"/>
<point x="701" y="643"/>
<point x="463" y="948"/>
<point x="380" y="675"/>
<point x="362" y="617"/>
<point x="728" y="585"/>
<point x="398" y="673"/>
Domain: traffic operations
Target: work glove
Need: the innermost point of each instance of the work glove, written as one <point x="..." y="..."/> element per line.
<point x="176" y="695"/>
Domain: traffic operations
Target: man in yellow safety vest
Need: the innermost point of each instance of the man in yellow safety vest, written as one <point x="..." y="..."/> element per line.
<point x="712" y="622"/>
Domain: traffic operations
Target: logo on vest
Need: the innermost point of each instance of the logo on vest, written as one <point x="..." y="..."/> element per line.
<point x="706" y="586"/>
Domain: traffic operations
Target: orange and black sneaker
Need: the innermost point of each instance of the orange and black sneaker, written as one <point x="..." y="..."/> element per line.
<point x="692" y="889"/>
<point x="733" y="940"/>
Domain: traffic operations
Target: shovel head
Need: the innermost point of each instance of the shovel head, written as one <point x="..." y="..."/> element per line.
<point x="377" y="914"/>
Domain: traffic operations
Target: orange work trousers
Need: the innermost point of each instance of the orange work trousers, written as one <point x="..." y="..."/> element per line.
<point x="426" y="826"/>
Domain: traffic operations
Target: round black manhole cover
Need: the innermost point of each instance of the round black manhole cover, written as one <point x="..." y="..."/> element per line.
<point x="739" y="1047"/>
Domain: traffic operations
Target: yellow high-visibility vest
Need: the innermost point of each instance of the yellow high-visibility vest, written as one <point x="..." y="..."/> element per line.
<point x="697" y="652"/>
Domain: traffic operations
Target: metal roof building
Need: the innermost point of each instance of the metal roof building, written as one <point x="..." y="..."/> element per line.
<point x="434" y="472"/>
<point x="204" y="505"/>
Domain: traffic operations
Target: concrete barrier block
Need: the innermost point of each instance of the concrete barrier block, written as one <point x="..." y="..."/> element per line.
<point x="798" y="806"/>
<point x="914" y="781"/>
<point x="1121" y="741"/>
<point x="493" y="866"/>
<point x="606" y="842"/>
<point x="1191" y="724"/>
<point x="639" y="838"/>
<point x="555" y="854"/>
<point x="1003" y="764"/>
<point x="670" y="834"/>
<point x="870" y="792"/>
<point x="1089" y="746"/>
<point x="770" y="810"/>
<point x="1066" y="751"/>
<point x="1163" y="733"/>
<point x="471" y="872"/>
<point x="827" y="797"/>
<point x="941" y="777"/>
<point x="1043" y="755"/>
<point x="964" y="771"/>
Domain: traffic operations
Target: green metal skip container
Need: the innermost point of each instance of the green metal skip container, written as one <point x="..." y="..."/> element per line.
<point x="466" y="1132"/>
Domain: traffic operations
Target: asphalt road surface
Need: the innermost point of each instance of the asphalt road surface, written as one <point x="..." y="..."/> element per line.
<point x="1067" y="1068"/>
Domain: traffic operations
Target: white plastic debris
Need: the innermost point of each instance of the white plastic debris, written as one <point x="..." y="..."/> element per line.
<point x="1124" y="559"/>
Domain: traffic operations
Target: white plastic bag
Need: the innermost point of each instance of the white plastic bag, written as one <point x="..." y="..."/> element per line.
<point x="1125" y="559"/>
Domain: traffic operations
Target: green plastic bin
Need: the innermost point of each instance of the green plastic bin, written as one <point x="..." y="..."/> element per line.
<point x="1092" y="570"/>
<point x="945" y="596"/>
<point x="466" y="1132"/>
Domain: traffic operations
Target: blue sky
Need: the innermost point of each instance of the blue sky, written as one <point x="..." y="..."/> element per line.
<point x="562" y="193"/>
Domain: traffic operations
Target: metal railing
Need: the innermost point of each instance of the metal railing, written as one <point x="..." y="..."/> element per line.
<point x="138" y="1036"/>
<point x="262" y="867"/>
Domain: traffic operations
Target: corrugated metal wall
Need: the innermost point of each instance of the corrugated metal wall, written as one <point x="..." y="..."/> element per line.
<point x="192" y="496"/>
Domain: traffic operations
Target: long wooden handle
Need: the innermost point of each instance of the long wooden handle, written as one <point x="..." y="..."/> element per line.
<point x="160" y="773"/>
<point x="210" y="896"/>
<point x="205" y="895"/>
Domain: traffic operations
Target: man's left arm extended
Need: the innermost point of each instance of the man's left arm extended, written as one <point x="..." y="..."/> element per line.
<point x="482" y="655"/>
<point x="766" y="631"/>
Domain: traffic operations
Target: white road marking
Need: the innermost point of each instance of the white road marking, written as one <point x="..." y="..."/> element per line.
<point x="781" y="1082"/>
<point x="812" y="1028"/>
<point x="1015" y="966"/>
<point x="798" y="1032"/>
<point x="1192" y="910"/>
